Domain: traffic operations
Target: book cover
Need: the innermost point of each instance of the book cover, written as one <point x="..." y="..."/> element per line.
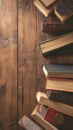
<point x="59" y="106"/>
<point x="54" y="117"/>
<point x="45" y="7"/>
<point x="60" y="84"/>
<point x="52" y="25"/>
<point x="47" y="3"/>
<point x="29" y="124"/>
<point x="57" y="70"/>
<point x="64" y="9"/>
<point x="60" y="120"/>
<point x="59" y="45"/>
<point x="37" y="117"/>
<point x="60" y="96"/>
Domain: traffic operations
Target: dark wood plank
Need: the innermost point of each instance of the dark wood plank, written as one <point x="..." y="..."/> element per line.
<point x="27" y="63"/>
<point x="8" y="65"/>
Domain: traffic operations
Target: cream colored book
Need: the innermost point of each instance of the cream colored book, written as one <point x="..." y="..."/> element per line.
<point x="29" y="124"/>
<point x="56" y="43"/>
<point x="60" y="84"/>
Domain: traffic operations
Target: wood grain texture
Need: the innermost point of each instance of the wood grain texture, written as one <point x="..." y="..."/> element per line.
<point x="27" y="58"/>
<point x="8" y="65"/>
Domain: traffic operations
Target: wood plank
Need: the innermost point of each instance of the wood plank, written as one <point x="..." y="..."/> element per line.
<point x="8" y="65"/>
<point x="27" y="49"/>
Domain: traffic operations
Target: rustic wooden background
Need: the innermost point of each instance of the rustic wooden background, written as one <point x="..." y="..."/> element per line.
<point x="21" y="73"/>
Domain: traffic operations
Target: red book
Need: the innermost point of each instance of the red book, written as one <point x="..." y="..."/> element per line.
<point x="54" y="117"/>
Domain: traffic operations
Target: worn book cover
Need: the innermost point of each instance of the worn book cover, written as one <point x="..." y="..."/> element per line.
<point x="57" y="70"/>
<point x="64" y="9"/>
<point x="60" y="96"/>
<point x="29" y="124"/>
<point x="38" y="115"/>
<point x="52" y="25"/>
<point x="60" y="84"/>
<point x="60" y="45"/>
<point x="45" y="7"/>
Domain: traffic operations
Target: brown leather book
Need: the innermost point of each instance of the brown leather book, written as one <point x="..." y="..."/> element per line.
<point x="53" y="25"/>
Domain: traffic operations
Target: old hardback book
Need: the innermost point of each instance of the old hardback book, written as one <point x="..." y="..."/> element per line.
<point x="38" y="117"/>
<point x="60" y="120"/>
<point x="52" y="25"/>
<point x="64" y="9"/>
<point x="60" y="96"/>
<point x="59" y="106"/>
<point x="53" y="45"/>
<point x="45" y="6"/>
<point x="29" y="124"/>
<point x="60" y="84"/>
<point x="57" y="70"/>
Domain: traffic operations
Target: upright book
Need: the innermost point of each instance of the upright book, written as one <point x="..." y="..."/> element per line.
<point x="45" y="6"/>
<point x="61" y="107"/>
<point x="56" y="43"/>
<point x="64" y="9"/>
<point x="57" y="70"/>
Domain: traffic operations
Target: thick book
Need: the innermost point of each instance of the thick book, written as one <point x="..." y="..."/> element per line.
<point x="59" y="106"/>
<point x="52" y="25"/>
<point x="64" y="9"/>
<point x="60" y="84"/>
<point x="57" y="70"/>
<point x="60" y="42"/>
<point x="29" y="124"/>
<point x="38" y="117"/>
<point x="60" y="96"/>
<point x="60" y="120"/>
<point x="45" y="6"/>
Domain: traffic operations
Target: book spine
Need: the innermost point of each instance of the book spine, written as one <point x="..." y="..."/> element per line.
<point x="64" y="97"/>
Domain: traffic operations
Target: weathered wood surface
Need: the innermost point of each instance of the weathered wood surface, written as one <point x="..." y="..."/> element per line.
<point x="21" y="64"/>
<point x="27" y="57"/>
<point x="8" y="65"/>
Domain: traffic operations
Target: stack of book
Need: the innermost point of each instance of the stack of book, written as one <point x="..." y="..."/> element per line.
<point x="54" y="110"/>
<point x="58" y="15"/>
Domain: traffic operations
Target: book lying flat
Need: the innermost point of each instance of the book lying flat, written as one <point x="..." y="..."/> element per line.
<point x="56" y="43"/>
<point x="60" y="96"/>
<point x="54" y="26"/>
<point x="44" y="6"/>
<point x="64" y="9"/>
<point x="61" y="107"/>
<point x="60" y="84"/>
<point x="36" y="116"/>
<point x="29" y="124"/>
<point x="57" y="70"/>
